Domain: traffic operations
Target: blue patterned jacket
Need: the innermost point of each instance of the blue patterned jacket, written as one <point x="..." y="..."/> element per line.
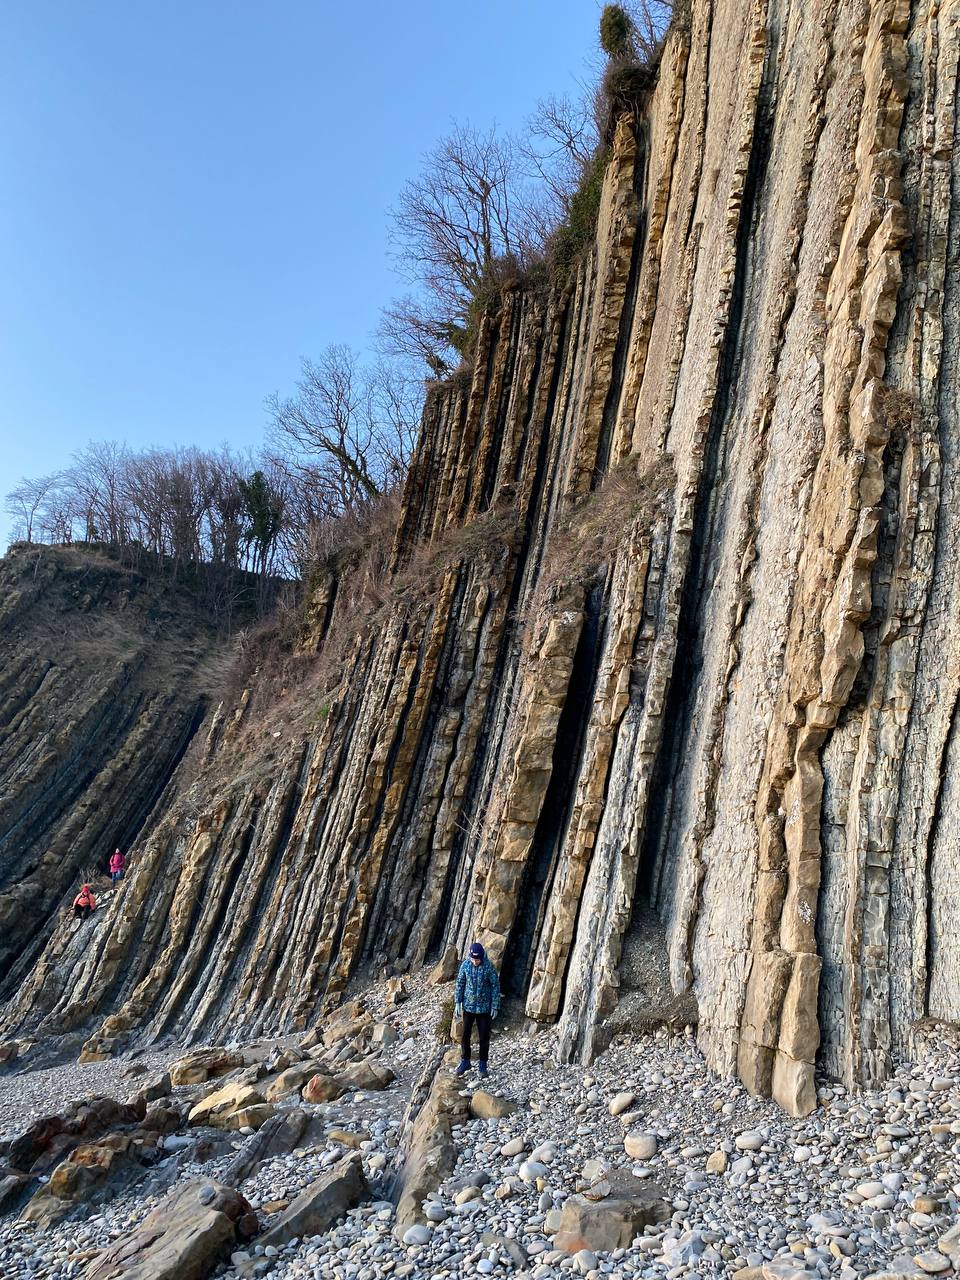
<point x="478" y="988"/>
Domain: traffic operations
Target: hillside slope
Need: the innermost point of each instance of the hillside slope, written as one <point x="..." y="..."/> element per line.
<point x="103" y="678"/>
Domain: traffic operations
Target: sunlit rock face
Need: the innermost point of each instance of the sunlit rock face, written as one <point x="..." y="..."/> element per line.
<point x="672" y="630"/>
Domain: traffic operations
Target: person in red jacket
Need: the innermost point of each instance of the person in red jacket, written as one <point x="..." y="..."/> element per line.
<point x="84" y="904"/>
<point x="117" y="866"/>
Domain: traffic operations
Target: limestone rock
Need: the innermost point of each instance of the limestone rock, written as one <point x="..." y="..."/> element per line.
<point x="203" y="1065"/>
<point x="322" y="1088"/>
<point x="445" y="970"/>
<point x="290" y="1081"/>
<point x="157" y="1086"/>
<point x="428" y="1154"/>
<point x="490" y="1106"/>
<point x="640" y="1146"/>
<point x="365" y="1075"/>
<point x="183" y="1239"/>
<point x="610" y="1223"/>
<point x="396" y="992"/>
<point x="709" y="477"/>
<point x="279" y="1135"/>
<point x="322" y="1204"/>
<point x="219" y="1107"/>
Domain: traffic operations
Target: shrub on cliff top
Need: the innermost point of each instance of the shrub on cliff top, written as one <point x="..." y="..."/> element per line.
<point x="616" y="32"/>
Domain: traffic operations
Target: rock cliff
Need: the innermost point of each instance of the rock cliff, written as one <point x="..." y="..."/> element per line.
<point x="104" y="673"/>
<point x="670" y="629"/>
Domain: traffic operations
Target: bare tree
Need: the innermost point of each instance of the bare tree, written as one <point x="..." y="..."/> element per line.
<point x="347" y="431"/>
<point x="650" y="19"/>
<point x="396" y="403"/>
<point x="462" y="225"/>
<point x="421" y="330"/>
<point x="560" y="144"/>
<point x="97" y="480"/>
<point x="26" y="504"/>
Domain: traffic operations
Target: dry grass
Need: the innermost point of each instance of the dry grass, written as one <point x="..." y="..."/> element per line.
<point x="587" y="538"/>
<point x="900" y="410"/>
<point x="297" y="661"/>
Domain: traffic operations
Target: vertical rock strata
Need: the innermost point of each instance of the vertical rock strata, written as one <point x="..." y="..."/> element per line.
<point x="671" y="618"/>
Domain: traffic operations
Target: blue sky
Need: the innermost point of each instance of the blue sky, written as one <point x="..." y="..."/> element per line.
<point x="194" y="194"/>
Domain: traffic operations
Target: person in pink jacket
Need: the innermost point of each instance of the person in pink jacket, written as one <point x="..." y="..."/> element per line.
<point x="117" y="864"/>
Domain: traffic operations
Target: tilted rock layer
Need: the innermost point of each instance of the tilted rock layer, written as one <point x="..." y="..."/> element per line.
<point x="103" y="673"/>
<point x="743" y="404"/>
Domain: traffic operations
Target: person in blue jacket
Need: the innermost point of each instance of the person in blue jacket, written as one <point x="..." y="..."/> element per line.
<point x="477" y="1000"/>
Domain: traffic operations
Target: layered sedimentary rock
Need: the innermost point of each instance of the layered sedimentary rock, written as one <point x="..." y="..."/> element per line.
<point x="103" y="674"/>
<point x="670" y="623"/>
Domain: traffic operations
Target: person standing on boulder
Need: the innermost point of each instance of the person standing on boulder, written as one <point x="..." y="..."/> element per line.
<point x="477" y="1000"/>
<point x="117" y="864"/>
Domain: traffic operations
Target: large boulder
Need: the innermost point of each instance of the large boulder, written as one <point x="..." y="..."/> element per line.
<point x="222" y="1107"/>
<point x="252" y="1117"/>
<point x="445" y="970"/>
<point x="396" y="992"/>
<point x="490" y="1106"/>
<point x="322" y="1088"/>
<point x="352" y="1021"/>
<point x="153" y="1087"/>
<point x="192" y="1231"/>
<point x="15" y="1189"/>
<point x="612" y="1222"/>
<point x="322" y="1204"/>
<point x="281" y="1134"/>
<point x="98" y="1049"/>
<point x="365" y="1075"/>
<point x="290" y="1081"/>
<point x="429" y="1155"/>
<point x="90" y="1174"/>
<point x="203" y="1065"/>
<point x="47" y="1141"/>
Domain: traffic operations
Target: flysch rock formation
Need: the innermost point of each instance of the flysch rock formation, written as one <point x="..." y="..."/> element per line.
<point x="104" y="672"/>
<point x="743" y="721"/>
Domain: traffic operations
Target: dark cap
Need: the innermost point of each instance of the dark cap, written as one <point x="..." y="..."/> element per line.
<point x="477" y="951"/>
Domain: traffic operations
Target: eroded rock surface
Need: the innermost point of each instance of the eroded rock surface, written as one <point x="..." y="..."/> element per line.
<point x="183" y="1239"/>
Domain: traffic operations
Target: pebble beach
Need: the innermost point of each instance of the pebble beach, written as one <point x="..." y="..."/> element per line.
<point x="868" y="1185"/>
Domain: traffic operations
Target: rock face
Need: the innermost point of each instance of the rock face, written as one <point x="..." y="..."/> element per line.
<point x="670" y="629"/>
<point x="102" y="687"/>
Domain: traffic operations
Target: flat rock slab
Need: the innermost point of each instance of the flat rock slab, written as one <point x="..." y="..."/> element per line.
<point x="279" y="1136"/>
<point x="489" y="1106"/>
<point x="613" y="1222"/>
<point x="322" y="1204"/>
<point x="430" y="1154"/>
<point x="203" y="1065"/>
<point x="193" y="1230"/>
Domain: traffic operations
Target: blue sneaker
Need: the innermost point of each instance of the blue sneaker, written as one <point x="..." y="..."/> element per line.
<point x="463" y="1068"/>
<point x="482" y="1069"/>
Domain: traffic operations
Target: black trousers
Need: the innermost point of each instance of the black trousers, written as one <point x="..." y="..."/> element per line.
<point x="482" y="1021"/>
<point x="81" y="912"/>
